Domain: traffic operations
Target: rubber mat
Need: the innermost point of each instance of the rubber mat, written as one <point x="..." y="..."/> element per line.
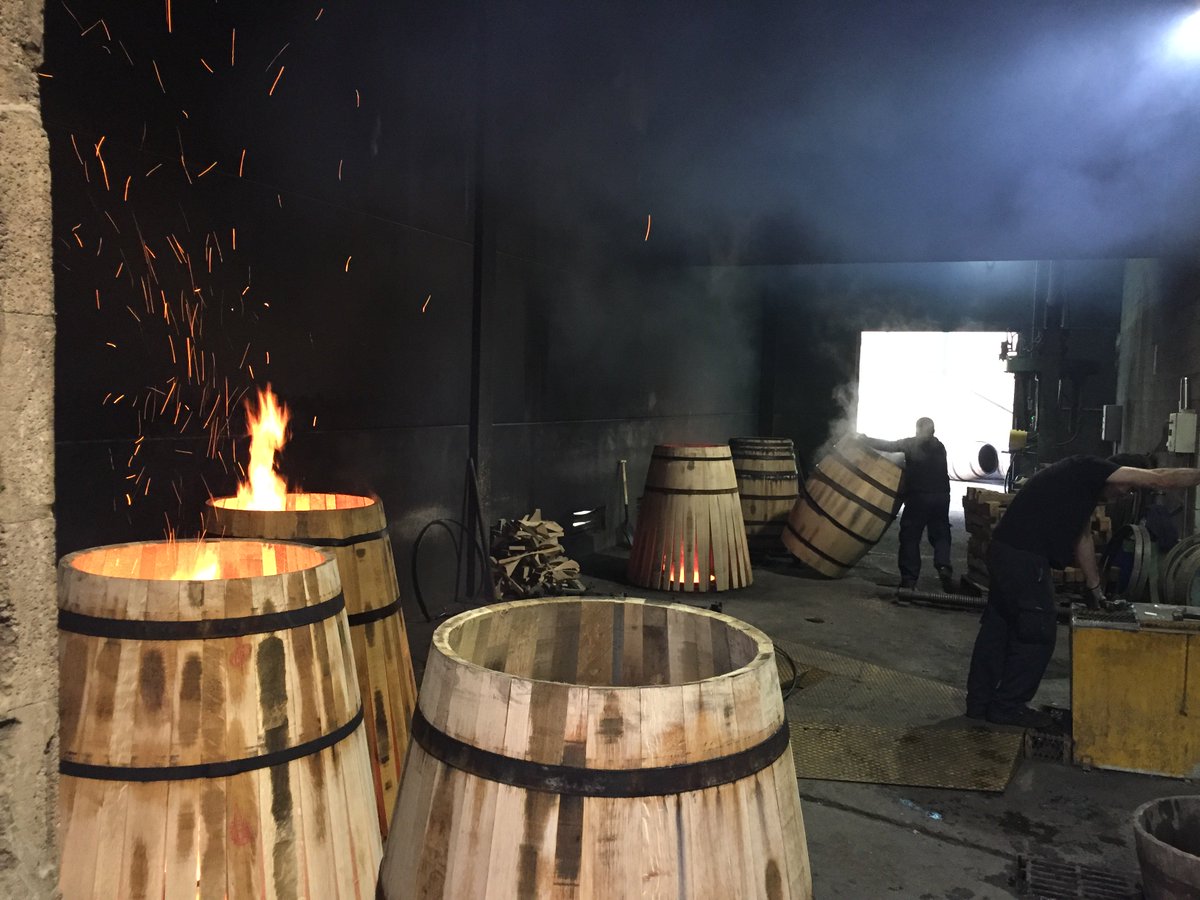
<point x="855" y="721"/>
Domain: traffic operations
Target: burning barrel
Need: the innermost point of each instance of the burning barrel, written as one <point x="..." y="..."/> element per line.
<point x="589" y="748"/>
<point x="848" y="502"/>
<point x="355" y="529"/>
<point x="767" y="487"/>
<point x="690" y="534"/>
<point x="211" y="733"/>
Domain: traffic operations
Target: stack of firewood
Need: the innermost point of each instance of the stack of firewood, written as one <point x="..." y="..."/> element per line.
<point x="982" y="510"/>
<point x="528" y="561"/>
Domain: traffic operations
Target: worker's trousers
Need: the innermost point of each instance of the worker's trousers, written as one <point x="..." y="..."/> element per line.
<point x="921" y="512"/>
<point x="1016" y="635"/>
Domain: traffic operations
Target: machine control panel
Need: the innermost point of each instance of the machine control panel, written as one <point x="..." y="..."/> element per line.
<point x="1181" y="431"/>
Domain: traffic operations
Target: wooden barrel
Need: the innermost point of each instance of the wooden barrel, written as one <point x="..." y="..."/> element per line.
<point x="690" y="535"/>
<point x="211" y="733"/>
<point x="355" y="528"/>
<point x="598" y="749"/>
<point x="1180" y="581"/>
<point x="847" y="504"/>
<point x="767" y="487"/>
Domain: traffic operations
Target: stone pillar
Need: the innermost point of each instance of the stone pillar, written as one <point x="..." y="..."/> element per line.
<point x="28" y="643"/>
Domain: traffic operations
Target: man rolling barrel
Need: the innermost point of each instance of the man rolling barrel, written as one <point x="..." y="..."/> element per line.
<point x="1047" y="524"/>
<point x="926" y="502"/>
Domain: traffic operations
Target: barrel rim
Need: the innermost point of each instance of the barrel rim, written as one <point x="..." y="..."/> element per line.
<point x="67" y="562"/>
<point x="1143" y="833"/>
<point x="369" y="500"/>
<point x="765" y="646"/>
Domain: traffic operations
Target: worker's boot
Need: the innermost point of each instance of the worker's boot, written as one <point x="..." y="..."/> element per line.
<point x="946" y="576"/>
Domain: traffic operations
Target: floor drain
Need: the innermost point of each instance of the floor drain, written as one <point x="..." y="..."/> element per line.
<point x="1046" y="879"/>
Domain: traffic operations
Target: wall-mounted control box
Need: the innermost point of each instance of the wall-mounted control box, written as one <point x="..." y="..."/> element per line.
<point x="1181" y="431"/>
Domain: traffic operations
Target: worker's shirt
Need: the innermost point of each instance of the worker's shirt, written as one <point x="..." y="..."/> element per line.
<point x="925" y="469"/>
<point x="1049" y="512"/>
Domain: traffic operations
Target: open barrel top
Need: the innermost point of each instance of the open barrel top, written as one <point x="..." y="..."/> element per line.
<point x="304" y="502"/>
<point x="600" y="631"/>
<point x="195" y="579"/>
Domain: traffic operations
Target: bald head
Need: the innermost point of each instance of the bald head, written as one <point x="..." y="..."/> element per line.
<point x="924" y="427"/>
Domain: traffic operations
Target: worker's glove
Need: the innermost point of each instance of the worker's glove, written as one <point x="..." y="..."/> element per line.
<point x="1095" y="597"/>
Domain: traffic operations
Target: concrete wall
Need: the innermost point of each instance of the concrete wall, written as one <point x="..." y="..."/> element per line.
<point x="28" y="647"/>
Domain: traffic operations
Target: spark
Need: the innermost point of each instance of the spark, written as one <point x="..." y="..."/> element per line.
<point x="357" y="99"/>
<point x="279" y="197"/>
<point x="267" y="67"/>
<point x="168" y="16"/>
<point x="44" y="75"/>
<point x="98" y="302"/>
<point x="339" y="170"/>
<point x="232" y="46"/>
<point x="242" y="162"/>
<point x="120" y="266"/>
<point x="314" y="424"/>
<point x="320" y="12"/>
<point x="155" y="169"/>
<point x="268" y="355"/>
<point x="158" y="76"/>
<point x="426" y="303"/>
<point x="647" y="237"/>
<point x="110" y="344"/>
<point x="250" y="369"/>
<point x="233" y="237"/>
<point x="348" y="258"/>
<point x="204" y="63"/>
<point x="76" y="146"/>
<point x="131" y="312"/>
<point x="278" y="75"/>
<point x="212" y="165"/>
<point x="128" y="178"/>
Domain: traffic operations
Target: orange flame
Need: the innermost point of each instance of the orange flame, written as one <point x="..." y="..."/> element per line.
<point x="205" y="563"/>
<point x="264" y="488"/>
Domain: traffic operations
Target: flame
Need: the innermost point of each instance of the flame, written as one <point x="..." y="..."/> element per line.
<point x="264" y="488"/>
<point x="205" y="566"/>
<point x="682" y="571"/>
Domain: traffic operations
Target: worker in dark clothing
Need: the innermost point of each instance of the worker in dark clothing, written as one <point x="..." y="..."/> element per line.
<point x="926" y="502"/>
<point x="1047" y="524"/>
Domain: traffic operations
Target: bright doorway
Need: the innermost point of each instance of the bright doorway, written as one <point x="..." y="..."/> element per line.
<point x="956" y="378"/>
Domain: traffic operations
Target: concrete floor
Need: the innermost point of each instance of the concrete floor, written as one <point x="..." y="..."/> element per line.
<point x="868" y="841"/>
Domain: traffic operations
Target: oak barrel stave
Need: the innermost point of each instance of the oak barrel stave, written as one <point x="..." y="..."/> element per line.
<point x="354" y="528"/>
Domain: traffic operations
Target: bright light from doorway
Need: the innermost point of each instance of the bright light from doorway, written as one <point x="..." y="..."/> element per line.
<point x="1185" y="38"/>
<point x="956" y="378"/>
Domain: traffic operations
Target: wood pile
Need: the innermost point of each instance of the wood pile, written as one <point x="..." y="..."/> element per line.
<point x="528" y="561"/>
<point x="983" y="509"/>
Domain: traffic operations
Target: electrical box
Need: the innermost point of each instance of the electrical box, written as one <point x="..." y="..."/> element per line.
<point x="1111" y="417"/>
<point x="1181" y="431"/>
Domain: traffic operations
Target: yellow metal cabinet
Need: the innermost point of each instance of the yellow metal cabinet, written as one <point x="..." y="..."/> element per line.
<point x="1135" y="692"/>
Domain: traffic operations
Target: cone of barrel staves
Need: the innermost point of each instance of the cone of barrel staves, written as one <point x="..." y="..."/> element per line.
<point x="690" y="534"/>
<point x="210" y="730"/>
<point x="599" y="749"/>
<point x="847" y="503"/>
<point x="767" y="487"/>
<point x="355" y="529"/>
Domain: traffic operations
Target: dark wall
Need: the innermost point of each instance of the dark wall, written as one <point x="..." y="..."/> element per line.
<point x="360" y="287"/>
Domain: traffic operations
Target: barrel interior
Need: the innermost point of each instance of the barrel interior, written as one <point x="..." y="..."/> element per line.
<point x="1175" y="821"/>
<point x="604" y="643"/>
<point x="303" y="502"/>
<point x="196" y="560"/>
